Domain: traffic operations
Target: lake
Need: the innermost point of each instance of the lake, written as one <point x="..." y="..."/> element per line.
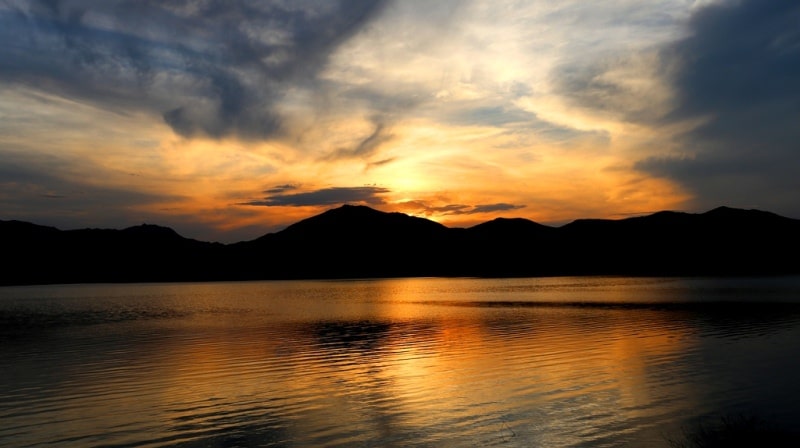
<point x="426" y="362"/>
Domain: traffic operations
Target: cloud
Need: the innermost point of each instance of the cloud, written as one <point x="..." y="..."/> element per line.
<point x="367" y="146"/>
<point x="738" y="72"/>
<point x="489" y="208"/>
<point x="450" y="209"/>
<point x="281" y="189"/>
<point x="491" y="115"/>
<point x="380" y="163"/>
<point x="457" y="209"/>
<point x="325" y="196"/>
<point x="217" y="68"/>
<point x="623" y="87"/>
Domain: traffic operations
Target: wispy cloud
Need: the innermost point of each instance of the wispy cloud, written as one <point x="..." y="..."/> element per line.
<point x="367" y="146"/>
<point x="379" y="163"/>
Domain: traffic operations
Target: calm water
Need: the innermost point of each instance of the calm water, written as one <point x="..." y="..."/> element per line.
<point x="551" y="362"/>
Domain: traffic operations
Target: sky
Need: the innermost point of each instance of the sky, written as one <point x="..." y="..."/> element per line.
<point x="226" y="119"/>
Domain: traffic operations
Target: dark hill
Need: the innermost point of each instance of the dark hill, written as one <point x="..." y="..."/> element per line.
<point x="37" y="254"/>
<point x="509" y="247"/>
<point x="359" y="242"/>
<point x="350" y="241"/>
<point x="516" y="226"/>
<point x="355" y="220"/>
<point x="723" y="241"/>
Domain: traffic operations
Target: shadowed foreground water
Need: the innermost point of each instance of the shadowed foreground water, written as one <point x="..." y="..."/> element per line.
<point x="551" y="362"/>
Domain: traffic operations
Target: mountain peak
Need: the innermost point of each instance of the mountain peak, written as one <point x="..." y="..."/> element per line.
<point x="360" y="221"/>
<point x="516" y="224"/>
<point x="354" y="210"/>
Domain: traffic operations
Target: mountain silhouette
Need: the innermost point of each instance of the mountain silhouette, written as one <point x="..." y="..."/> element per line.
<point x="350" y="241"/>
<point x="360" y="242"/>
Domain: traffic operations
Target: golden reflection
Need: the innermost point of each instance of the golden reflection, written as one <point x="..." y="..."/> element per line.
<point x="349" y="360"/>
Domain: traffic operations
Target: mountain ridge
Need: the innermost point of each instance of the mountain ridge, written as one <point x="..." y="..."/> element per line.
<point x="356" y="241"/>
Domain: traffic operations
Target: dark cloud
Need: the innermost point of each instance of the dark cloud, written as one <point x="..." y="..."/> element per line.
<point x="450" y="209"/>
<point x="499" y="207"/>
<point x="739" y="69"/>
<point x="216" y="67"/>
<point x="325" y="196"/>
<point x="739" y="56"/>
<point x="279" y="189"/>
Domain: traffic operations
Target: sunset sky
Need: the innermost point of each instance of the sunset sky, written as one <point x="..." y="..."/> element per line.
<point x="226" y="120"/>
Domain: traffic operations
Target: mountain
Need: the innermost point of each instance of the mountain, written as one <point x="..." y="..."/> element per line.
<point x="349" y="241"/>
<point x="360" y="242"/>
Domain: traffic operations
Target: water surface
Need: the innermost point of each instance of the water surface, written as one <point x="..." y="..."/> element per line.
<point x="554" y="362"/>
